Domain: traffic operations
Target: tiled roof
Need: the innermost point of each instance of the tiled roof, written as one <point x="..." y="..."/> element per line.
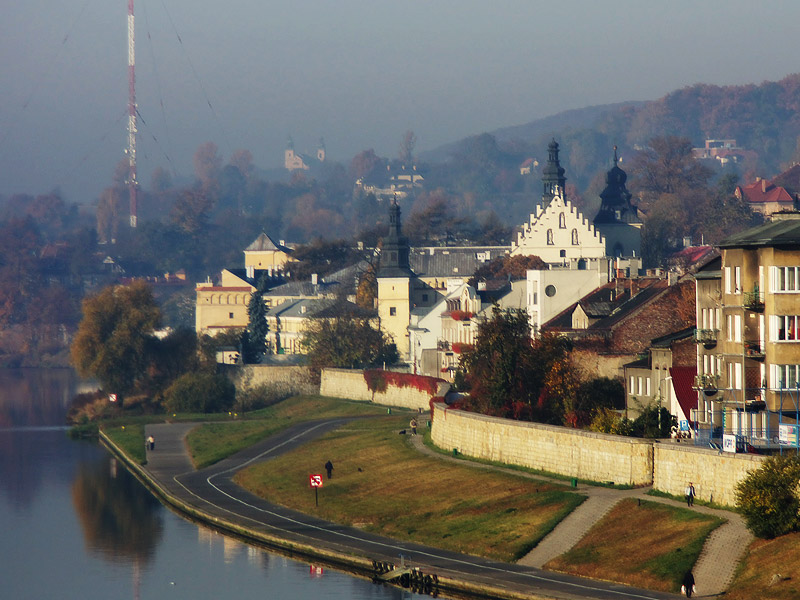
<point x="760" y="192"/>
<point x="459" y="261"/>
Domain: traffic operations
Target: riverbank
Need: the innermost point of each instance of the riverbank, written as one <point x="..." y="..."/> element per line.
<point x="210" y="496"/>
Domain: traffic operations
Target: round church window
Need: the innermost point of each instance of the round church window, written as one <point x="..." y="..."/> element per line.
<point x="550" y="291"/>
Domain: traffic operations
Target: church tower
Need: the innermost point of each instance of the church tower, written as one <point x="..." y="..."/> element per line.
<point x="394" y="283"/>
<point x="552" y="175"/>
<point x="618" y="219"/>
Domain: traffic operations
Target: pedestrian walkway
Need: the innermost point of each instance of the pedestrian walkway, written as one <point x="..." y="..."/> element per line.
<point x="723" y="551"/>
<point x="211" y="495"/>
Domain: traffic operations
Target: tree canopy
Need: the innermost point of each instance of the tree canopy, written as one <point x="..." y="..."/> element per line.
<point x="112" y="340"/>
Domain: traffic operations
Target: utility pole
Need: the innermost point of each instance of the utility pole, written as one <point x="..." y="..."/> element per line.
<point x="131" y="150"/>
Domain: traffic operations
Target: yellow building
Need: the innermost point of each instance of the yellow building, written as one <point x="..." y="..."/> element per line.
<point x="748" y="334"/>
<point x="265" y="254"/>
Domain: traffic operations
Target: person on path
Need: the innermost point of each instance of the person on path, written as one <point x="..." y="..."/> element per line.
<point x="689" y="494"/>
<point x="688" y="584"/>
<point x="413" y="424"/>
<point x="151" y="442"/>
<point x="329" y="469"/>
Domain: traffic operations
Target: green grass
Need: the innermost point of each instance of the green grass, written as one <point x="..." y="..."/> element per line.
<point x="381" y="484"/>
<point x="649" y="545"/>
<point x="130" y="438"/>
<point x="212" y="442"/>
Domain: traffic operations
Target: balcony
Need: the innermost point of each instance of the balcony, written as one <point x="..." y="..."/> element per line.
<point x="754" y="301"/>
<point x="754" y="350"/>
<point x="708" y="383"/>
<point x="707" y="337"/>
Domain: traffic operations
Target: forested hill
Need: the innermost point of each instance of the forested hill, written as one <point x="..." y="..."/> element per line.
<point x="763" y="118"/>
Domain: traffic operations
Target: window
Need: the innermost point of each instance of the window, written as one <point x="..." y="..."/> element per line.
<point x="785" y="328"/>
<point x="574" y="237"/>
<point x="728" y="281"/>
<point x="230" y="315"/>
<point x="647" y="386"/>
<point x="535" y="298"/>
<point x="392" y="311"/>
<point x="737" y="328"/>
<point x="631" y="386"/>
<point x="735" y="375"/>
<point x="737" y="280"/>
<point x="785" y="377"/>
<point x="784" y="279"/>
<point x="562" y="253"/>
<point x="424" y="297"/>
<point x="550" y="241"/>
<point x="562" y="221"/>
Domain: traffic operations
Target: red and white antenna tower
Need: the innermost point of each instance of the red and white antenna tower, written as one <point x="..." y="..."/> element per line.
<point x="131" y="151"/>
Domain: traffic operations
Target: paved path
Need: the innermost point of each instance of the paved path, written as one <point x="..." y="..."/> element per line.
<point x="212" y="492"/>
<point x="723" y="551"/>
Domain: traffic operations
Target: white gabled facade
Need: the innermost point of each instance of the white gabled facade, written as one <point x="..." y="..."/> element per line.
<point x="559" y="233"/>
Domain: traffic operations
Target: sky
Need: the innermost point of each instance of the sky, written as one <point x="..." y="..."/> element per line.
<point x="247" y="74"/>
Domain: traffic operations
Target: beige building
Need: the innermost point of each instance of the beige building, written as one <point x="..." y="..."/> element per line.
<point x="748" y="334"/>
<point x="267" y="255"/>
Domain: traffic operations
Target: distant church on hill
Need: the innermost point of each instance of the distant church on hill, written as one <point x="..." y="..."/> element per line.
<point x="293" y="161"/>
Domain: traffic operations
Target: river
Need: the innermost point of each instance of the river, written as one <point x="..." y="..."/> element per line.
<point x="76" y="524"/>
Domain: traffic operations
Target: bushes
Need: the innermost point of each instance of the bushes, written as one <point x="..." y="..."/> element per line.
<point x="769" y="499"/>
<point x="200" y="392"/>
<point x="264" y="395"/>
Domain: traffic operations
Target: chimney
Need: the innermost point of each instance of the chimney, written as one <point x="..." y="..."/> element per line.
<point x="313" y="279"/>
<point x="250" y="271"/>
<point x="303" y="309"/>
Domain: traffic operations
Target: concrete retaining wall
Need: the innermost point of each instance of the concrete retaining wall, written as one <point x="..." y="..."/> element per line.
<point x="570" y="452"/>
<point x="714" y="474"/>
<point x="667" y="466"/>
<point x="294" y="378"/>
<point x="350" y="384"/>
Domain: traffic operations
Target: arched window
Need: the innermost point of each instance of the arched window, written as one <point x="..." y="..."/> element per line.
<point x="550" y="241"/>
<point x="574" y="237"/>
<point x="562" y="221"/>
<point x="582" y="264"/>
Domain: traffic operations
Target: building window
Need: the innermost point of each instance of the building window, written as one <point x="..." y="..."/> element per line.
<point x="728" y="281"/>
<point x="785" y="279"/>
<point x="424" y="297"/>
<point x="631" y="385"/>
<point x="230" y="315"/>
<point x="785" y="328"/>
<point x="550" y="241"/>
<point x="574" y="237"/>
<point x="562" y="221"/>
<point x="562" y="253"/>
<point x="392" y="311"/>
<point x="785" y="377"/>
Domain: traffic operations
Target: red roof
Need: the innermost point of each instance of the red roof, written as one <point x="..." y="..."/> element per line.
<point x="761" y="192"/>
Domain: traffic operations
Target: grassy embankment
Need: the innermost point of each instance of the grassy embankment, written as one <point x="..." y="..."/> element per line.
<point x="770" y="571"/>
<point x="498" y="515"/>
<point x="381" y="484"/>
<point x="649" y="545"/>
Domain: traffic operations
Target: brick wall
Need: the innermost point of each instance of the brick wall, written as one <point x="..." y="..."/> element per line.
<point x="350" y="384"/>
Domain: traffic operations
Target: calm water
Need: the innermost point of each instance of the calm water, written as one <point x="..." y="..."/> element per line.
<point x="76" y="525"/>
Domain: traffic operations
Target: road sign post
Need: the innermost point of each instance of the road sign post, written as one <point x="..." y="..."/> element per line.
<point x="315" y="481"/>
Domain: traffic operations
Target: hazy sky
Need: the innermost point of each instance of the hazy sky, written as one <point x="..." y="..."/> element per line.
<point x="357" y="72"/>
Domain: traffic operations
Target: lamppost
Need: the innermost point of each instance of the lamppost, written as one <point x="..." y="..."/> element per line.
<point x="667" y="378"/>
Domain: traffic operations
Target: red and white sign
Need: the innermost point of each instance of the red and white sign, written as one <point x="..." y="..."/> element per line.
<point x="315" y="481"/>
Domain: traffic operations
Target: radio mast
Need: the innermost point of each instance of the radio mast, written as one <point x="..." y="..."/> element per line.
<point x="131" y="150"/>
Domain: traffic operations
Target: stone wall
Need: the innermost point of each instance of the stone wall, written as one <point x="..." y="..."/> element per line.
<point x="350" y="384"/>
<point x="570" y="452"/>
<point x="294" y="378"/>
<point x="714" y="474"/>
<point x="667" y="466"/>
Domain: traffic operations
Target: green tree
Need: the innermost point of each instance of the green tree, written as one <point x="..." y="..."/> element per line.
<point x="254" y="340"/>
<point x="654" y="422"/>
<point x="200" y="392"/>
<point x="114" y="336"/>
<point x="344" y="336"/>
<point x="769" y="497"/>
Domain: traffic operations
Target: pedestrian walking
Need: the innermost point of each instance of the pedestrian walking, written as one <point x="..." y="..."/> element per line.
<point x="689" y="493"/>
<point x="329" y="469"/>
<point x="413" y="425"/>
<point x="151" y="442"/>
<point x="687" y="587"/>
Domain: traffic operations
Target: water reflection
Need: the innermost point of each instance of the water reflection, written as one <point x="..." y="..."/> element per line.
<point x="120" y="519"/>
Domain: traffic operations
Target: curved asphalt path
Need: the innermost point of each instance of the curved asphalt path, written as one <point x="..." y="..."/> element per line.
<point x="212" y="492"/>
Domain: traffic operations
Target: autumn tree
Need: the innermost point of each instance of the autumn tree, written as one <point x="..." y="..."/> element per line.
<point x="113" y="337"/>
<point x="346" y="336"/>
<point x="406" y="154"/>
<point x="513" y="268"/>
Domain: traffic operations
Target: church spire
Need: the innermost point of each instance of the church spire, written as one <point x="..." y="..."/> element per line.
<point x="553" y="178"/>
<point x="396" y="250"/>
